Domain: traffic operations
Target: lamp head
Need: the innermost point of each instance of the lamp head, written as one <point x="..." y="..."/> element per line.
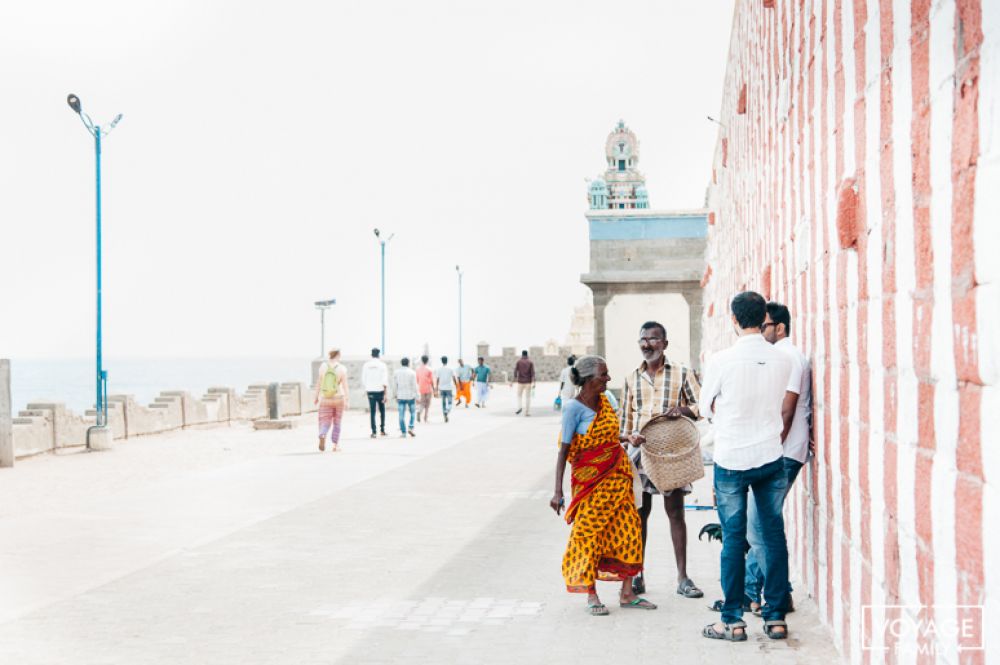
<point x="74" y="103"/>
<point x="377" y="235"/>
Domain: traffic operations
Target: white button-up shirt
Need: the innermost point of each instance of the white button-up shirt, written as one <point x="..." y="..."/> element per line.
<point x="406" y="383"/>
<point x="374" y="376"/>
<point x="797" y="441"/>
<point x="742" y="394"/>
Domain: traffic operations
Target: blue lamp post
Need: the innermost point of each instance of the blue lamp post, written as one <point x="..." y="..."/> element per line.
<point x="101" y="401"/>
<point x="322" y="306"/>
<point x="382" y="243"/>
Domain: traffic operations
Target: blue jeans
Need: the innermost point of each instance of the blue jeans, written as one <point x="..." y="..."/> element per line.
<point x="402" y="405"/>
<point x="769" y="484"/>
<point x="754" y="580"/>
<point x="446" y="401"/>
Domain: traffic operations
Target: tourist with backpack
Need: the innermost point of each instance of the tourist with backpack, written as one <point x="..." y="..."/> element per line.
<point x="332" y="397"/>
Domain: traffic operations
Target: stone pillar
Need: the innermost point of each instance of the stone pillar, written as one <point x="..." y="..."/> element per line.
<point x="6" y="424"/>
<point x="693" y="296"/>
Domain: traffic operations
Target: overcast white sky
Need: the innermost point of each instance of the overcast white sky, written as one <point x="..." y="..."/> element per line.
<point x="262" y="142"/>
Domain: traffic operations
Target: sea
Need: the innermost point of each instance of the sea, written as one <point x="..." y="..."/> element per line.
<point x="72" y="381"/>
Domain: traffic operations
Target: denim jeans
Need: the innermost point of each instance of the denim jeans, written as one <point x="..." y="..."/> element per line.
<point x="377" y="401"/>
<point x="446" y="401"/>
<point x="403" y="405"/>
<point x="769" y="484"/>
<point x="754" y="581"/>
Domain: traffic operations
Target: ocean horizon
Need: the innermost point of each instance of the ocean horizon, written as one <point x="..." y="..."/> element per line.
<point x="71" y="380"/>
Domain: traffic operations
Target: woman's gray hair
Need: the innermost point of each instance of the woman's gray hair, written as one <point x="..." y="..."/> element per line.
<point x="586" y="368"/>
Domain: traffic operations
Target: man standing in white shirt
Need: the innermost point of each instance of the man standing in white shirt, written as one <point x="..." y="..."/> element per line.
<point x="445" y="384"/>
<point x="375" y="380"/>
<point x="746" y="388"/>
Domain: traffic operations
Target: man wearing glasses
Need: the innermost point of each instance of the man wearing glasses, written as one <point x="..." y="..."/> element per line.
<point x="660" y="387"/>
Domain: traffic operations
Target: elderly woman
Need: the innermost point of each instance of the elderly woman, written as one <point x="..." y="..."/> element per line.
<point x="605" y="542"/>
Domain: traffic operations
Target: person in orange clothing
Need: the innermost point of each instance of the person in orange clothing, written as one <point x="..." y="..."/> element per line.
<point x="464" y="377"/>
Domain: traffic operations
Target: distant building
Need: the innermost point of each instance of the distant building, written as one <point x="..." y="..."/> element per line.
<point x="580" y="339"/>
<point x="644" y="264"/>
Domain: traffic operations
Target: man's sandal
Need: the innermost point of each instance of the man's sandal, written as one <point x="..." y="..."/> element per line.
<point x="638" y="604"/>
<point x="717" y="607"/>
<point x="598" y="610"/>
<point x="728" y="633"/>
<point x="689" y="590"/>
<point x="770" y="632"/>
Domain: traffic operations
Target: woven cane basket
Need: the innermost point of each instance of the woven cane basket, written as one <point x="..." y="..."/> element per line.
<point x="671" y="455"/>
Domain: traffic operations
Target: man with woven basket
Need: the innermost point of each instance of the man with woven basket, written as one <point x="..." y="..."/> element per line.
<point x="659" y="388"/>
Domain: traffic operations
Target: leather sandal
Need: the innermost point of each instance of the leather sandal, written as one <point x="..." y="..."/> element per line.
<point x="769" y="629"/>
<point x="727" y="634"/>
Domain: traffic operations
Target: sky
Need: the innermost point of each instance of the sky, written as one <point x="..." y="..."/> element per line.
<point x="262" y="142"/>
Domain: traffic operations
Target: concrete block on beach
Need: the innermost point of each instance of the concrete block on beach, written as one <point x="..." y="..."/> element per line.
<point x="277" y="423"/>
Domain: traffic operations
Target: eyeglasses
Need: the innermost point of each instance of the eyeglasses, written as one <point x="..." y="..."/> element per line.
<point x="650" y="340"/>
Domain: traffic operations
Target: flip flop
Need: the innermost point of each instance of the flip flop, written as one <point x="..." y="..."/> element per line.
<point x="598" y="610"/>
<point x="638" y="604"/>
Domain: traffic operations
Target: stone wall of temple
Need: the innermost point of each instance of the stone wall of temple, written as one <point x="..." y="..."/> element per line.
<point x="856" y="180"/>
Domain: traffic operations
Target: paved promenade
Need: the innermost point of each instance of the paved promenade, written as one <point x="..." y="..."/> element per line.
<point x="228" y="545"/>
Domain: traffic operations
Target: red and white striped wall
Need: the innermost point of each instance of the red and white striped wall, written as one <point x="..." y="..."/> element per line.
<point x="857" y="180"/>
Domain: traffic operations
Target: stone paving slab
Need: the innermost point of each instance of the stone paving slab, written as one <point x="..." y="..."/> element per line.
<point x="444" y="551"/>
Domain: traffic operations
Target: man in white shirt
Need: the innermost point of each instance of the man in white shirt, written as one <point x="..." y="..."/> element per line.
<point x="445" y="384"/>
<point x="375" y="381"/>
<point x="776" y="330"/>
<point x="746" y="388"/>
<point x="567" y="390"/>
<point x="405" y="387"/>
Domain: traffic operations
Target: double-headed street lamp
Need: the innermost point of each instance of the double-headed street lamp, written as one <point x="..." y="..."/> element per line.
<point x="322" y="306"/>
<point x="101" y="402"/>
<point x="459" y="271"/>
<point x="382" y="243"/>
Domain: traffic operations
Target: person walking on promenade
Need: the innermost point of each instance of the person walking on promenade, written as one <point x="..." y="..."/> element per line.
<point x="464" y="382"/>
<point x="444" y="385"/>
<point x="796" y="414"/>
<point x="405" y="387"/>
<point x="425" y="385"/>
<point x="606" y="539"/>
<point x="566" y="388"/>
<point x="524" y="377"/>
<point x="659" y="387"/>
<point x="331" y="396"/>
<point x="745" y="389"/>
<point x="483" y="375"/>
<point x="375" y="380"/>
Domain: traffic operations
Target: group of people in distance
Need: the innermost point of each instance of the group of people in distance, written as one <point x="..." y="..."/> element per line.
<point x="413" y="389"/>
<point x="757" y="395"/>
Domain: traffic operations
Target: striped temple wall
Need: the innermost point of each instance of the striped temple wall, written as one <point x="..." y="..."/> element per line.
<point x="857" y="179"/>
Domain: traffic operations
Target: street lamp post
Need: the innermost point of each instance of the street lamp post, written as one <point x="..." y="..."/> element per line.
<point x="101" y="401"/>
<point x="322" y="306"/>
<point x="382" y="243"/>
<point x="459" y="271"/>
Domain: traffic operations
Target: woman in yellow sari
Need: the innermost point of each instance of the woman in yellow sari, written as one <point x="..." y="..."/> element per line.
<point x="605" y="542"/>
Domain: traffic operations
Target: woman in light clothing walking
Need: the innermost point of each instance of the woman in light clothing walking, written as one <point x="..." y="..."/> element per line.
<point x="332" y="396"/>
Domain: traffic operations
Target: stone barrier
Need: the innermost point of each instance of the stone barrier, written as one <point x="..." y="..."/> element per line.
<point x="48" y="426"/>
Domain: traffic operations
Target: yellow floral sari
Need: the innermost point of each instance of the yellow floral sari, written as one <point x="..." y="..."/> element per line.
<point x="606" y="540"/>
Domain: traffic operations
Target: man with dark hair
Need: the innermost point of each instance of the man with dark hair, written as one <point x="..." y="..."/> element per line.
<point x="567" y="390"/>
<point x="425" y="384"/>
<point x="745" y="388"/>
<point x="405" y="388"/>
<point x="444" y="384"/>
<point x="658" y="387"/>
<point x="796" y="413"/>
<point x="524" y="377"/>
<point x="483" y="375"/>
<point x="375" y="380"/>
